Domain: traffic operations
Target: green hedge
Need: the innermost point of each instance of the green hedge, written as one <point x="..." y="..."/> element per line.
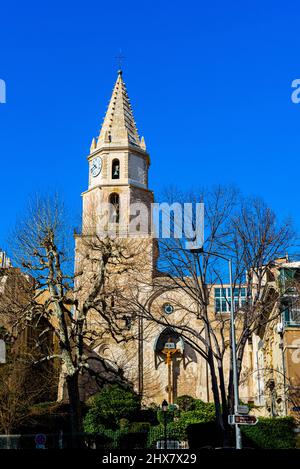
<point x="139" y="427"/>
<point x="270" y="433"/>
<point x="175" y="431"/>
<point x="195" y="409"/>
<point x="162" y="415"/>
<point x="107" y="408"/>
<point x="191" y="411"/>
<point x="186" y="402"/>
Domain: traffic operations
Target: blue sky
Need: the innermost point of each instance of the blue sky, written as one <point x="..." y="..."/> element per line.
<point x="210" y="84"/>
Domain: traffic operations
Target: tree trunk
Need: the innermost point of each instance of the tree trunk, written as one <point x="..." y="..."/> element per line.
<point x="75" y="407"/>
<point x="225" y="413"/>
<point x="215" y="391"/>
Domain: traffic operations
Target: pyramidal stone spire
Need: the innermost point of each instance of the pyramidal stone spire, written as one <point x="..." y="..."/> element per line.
<point x="119" y="127"/>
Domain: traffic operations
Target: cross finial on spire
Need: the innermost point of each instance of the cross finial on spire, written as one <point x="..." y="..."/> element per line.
<point x="120" y="59"/>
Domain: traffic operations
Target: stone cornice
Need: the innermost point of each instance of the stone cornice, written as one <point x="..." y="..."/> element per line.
<point x="107" y="148"/>
<point x="100" y="186"/>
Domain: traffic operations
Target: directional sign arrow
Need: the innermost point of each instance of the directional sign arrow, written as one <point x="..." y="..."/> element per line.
<point x="242" y="420"/>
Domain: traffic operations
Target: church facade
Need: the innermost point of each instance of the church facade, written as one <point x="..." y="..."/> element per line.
<point x="159" y="363"/>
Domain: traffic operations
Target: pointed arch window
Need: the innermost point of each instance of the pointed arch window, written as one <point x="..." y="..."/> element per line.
<point x="115" y="169"/>
<point x="114" y="215"/>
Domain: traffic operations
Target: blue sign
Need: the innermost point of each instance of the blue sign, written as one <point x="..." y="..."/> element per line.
<point x="40" y="440"/>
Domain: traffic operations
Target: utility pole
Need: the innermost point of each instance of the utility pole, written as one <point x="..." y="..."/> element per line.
<point x="238" y="436"/>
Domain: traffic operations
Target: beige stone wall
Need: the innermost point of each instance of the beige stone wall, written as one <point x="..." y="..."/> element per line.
<point x="191" y="372"/>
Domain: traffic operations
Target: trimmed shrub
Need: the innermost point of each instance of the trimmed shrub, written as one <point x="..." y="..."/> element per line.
<point x="179" y="422"/>
<point x="139" y="427"/>
<point x="109" y="406"/>
<point x="92" y="422"/>
<point x="203" y="411"/>
<point x="271" y="433"/>
<point x="196" y="416"/>
<point x="175" y="431"/>
<point x="185" y="402"/>
<point x="165" y="414"/>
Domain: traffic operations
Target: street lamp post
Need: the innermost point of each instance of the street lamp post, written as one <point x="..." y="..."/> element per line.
<point x="238" y="435"/>
<point x="164" y="407"/>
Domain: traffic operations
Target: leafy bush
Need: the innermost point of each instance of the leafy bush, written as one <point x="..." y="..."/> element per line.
<point x="179" y="429"/>
<point x="175" y="431"/>
<point x="124" y="424"/>
<point x="139" y="427"/>
<point x="163" y="415"/>
<point x="203" y="411"/>
<point x="191" y="411"/>
<point x="92" y="422"/>
<point x="197" y="416"/>
<point x="205" y="407"/>
<point x="271" y="433"/>
<point x="194" y="410"/>
<point x="185" y="402"/>
<point x="109" y="406"/>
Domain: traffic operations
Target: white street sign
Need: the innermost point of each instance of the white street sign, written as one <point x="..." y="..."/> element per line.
<point x="2" y="351"/>
<point x="243" y="409"/>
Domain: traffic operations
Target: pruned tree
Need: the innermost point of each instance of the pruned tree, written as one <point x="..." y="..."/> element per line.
<point x="72" y="303"/>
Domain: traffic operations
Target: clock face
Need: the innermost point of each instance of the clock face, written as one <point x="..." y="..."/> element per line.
<point x="96" y="166"/>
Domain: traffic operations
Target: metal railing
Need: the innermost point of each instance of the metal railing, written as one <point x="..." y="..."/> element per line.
<point x="109" y="439"/>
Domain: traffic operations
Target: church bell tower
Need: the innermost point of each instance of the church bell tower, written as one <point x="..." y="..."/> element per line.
<point x="118" y="166"/>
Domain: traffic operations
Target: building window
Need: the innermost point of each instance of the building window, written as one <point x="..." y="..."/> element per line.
<point x="291" y="315"/>
<point x="115" y="169"/>
<point x="223" y="299"/>
<point x="114" y="215"/>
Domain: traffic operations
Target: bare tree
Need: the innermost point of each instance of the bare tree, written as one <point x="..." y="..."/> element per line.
<point x="22" y="384"/>
<point x="68" y="301"/>
<point x="248" y="233"/>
